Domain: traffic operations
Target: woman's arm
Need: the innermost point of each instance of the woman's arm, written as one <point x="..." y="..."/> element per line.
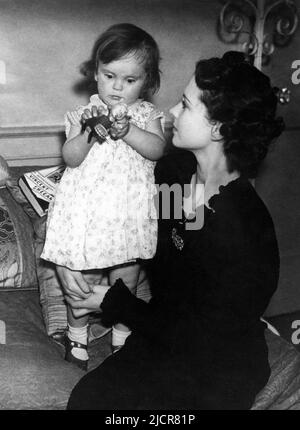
<point x="228" y="302"/>
<point x="234" y="303"/>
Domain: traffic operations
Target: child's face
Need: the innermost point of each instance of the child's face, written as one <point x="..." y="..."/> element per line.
<point x="121" y="81"/>
<point x="192" y="129"/>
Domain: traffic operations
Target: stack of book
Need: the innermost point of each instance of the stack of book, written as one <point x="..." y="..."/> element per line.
<point x="39" y="186"/>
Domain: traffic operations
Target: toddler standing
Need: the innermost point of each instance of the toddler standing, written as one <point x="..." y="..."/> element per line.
<point x="97" y="220"/>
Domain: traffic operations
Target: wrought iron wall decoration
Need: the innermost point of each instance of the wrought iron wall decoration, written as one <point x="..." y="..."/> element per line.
<point x="260" y="26"/>
<point x="264" y="24"/>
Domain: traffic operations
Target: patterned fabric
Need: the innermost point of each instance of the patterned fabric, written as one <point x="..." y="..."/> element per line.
<point x="282" y="392"/>
<point x="51" y="297"/>
<point x="17" y="262"/>
<point x="103" y="212"/>
<point x="4" y="171"/>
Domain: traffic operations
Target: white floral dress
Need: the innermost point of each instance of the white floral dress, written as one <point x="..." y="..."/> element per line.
<point x="103" y="212"/>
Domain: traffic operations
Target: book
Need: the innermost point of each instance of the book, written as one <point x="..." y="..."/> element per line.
<point x="39" y="187"/>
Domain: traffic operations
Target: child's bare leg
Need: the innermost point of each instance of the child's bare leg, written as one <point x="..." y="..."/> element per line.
<point x="76" y="322"/>
<point x="129" y="273"/>
<point x="78" y="327"/>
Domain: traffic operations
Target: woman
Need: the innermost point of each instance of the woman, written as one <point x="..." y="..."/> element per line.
<point x="200" y="343"/>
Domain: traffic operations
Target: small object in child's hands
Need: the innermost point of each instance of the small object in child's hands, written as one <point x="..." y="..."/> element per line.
<point x="99" y="126"/>
<point x="119" y="116"/>
<point x="119" y="111"/>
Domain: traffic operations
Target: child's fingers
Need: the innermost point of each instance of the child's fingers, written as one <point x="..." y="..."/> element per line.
<point x="113" y="134"/>
<point x="102" y="111"/>
<point x="94" y="111"/>
<point x="80" y="312"/>
<point x="119" y="129"/>
<point x="86" y="114"/>
<point x="120" y="125"/>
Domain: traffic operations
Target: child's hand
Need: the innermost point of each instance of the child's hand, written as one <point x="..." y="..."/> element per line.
<point x="120" y="119"/>
<point x="93" y="112"/>
<point x="119" y="128"/>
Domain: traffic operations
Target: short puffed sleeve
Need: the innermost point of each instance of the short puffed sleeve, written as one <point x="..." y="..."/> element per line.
<point x="151" y="113"/>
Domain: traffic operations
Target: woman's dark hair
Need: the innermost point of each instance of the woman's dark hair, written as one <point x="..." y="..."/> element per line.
<point x="123" y="39"/>
<point x="240" y="97"/>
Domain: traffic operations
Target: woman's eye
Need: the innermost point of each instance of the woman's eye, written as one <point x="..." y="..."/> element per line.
<point x="183" y="104"/>
<point x="130" y="81"/>
<point x="108" y="76"/>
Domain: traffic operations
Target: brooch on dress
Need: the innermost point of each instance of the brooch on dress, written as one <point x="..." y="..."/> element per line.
<point x="177" y="240"/>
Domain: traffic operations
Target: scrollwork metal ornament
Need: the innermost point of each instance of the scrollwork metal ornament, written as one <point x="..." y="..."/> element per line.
<point x="249" y="17"/>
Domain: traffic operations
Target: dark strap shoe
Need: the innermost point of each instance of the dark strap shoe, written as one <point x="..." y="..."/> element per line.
<point x="69" y="345"/>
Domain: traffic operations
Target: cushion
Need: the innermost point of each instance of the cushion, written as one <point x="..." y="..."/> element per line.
<point x="282" y="391"/>
<point x="4" y="171"/>
<point x="51" y="297"/>
<point x="17" y="258"/>
<point x="33" y="372"/>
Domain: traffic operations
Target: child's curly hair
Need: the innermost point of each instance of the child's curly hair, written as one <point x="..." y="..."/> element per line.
<point x="120" y="40"/>
<point x="241" y="98"/>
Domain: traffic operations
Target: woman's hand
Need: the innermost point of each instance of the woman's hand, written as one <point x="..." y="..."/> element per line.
<point x="73" y="282"/>
<point x="92" y="303"/>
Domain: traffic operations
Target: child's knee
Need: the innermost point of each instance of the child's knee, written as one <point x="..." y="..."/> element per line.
<point x="129" y="273"/>
<point x="93" y="277"/>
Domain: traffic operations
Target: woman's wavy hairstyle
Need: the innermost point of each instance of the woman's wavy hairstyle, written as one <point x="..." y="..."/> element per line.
<point x="120" y="40"/>
<point x="241" y="98"/>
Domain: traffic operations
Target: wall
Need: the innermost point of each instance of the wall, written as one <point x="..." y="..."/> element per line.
<point x="44" y="42"/>
<point x="279" y="180"/>
<point x="278" y="185"/>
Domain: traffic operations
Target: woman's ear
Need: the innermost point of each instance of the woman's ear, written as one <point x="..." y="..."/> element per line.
<point x="215" y="131"/>
<point x="96" y="77"/>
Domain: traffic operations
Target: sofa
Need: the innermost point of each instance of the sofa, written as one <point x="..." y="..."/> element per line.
<point x="33" y="373"/>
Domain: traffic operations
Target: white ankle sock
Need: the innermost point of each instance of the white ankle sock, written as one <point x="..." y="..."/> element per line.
<point x="118" y="337"/>
<point x="79" y="334"/>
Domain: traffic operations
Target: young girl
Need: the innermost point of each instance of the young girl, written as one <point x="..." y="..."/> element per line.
<point x="97" y="220"/>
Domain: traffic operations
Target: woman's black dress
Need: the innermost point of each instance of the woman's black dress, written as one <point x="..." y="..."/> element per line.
<point x="200" y="343"/>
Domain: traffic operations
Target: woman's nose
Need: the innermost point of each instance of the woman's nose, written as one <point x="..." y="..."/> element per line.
<point x="174" y="110"/>
<point x="118" y="85"/>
